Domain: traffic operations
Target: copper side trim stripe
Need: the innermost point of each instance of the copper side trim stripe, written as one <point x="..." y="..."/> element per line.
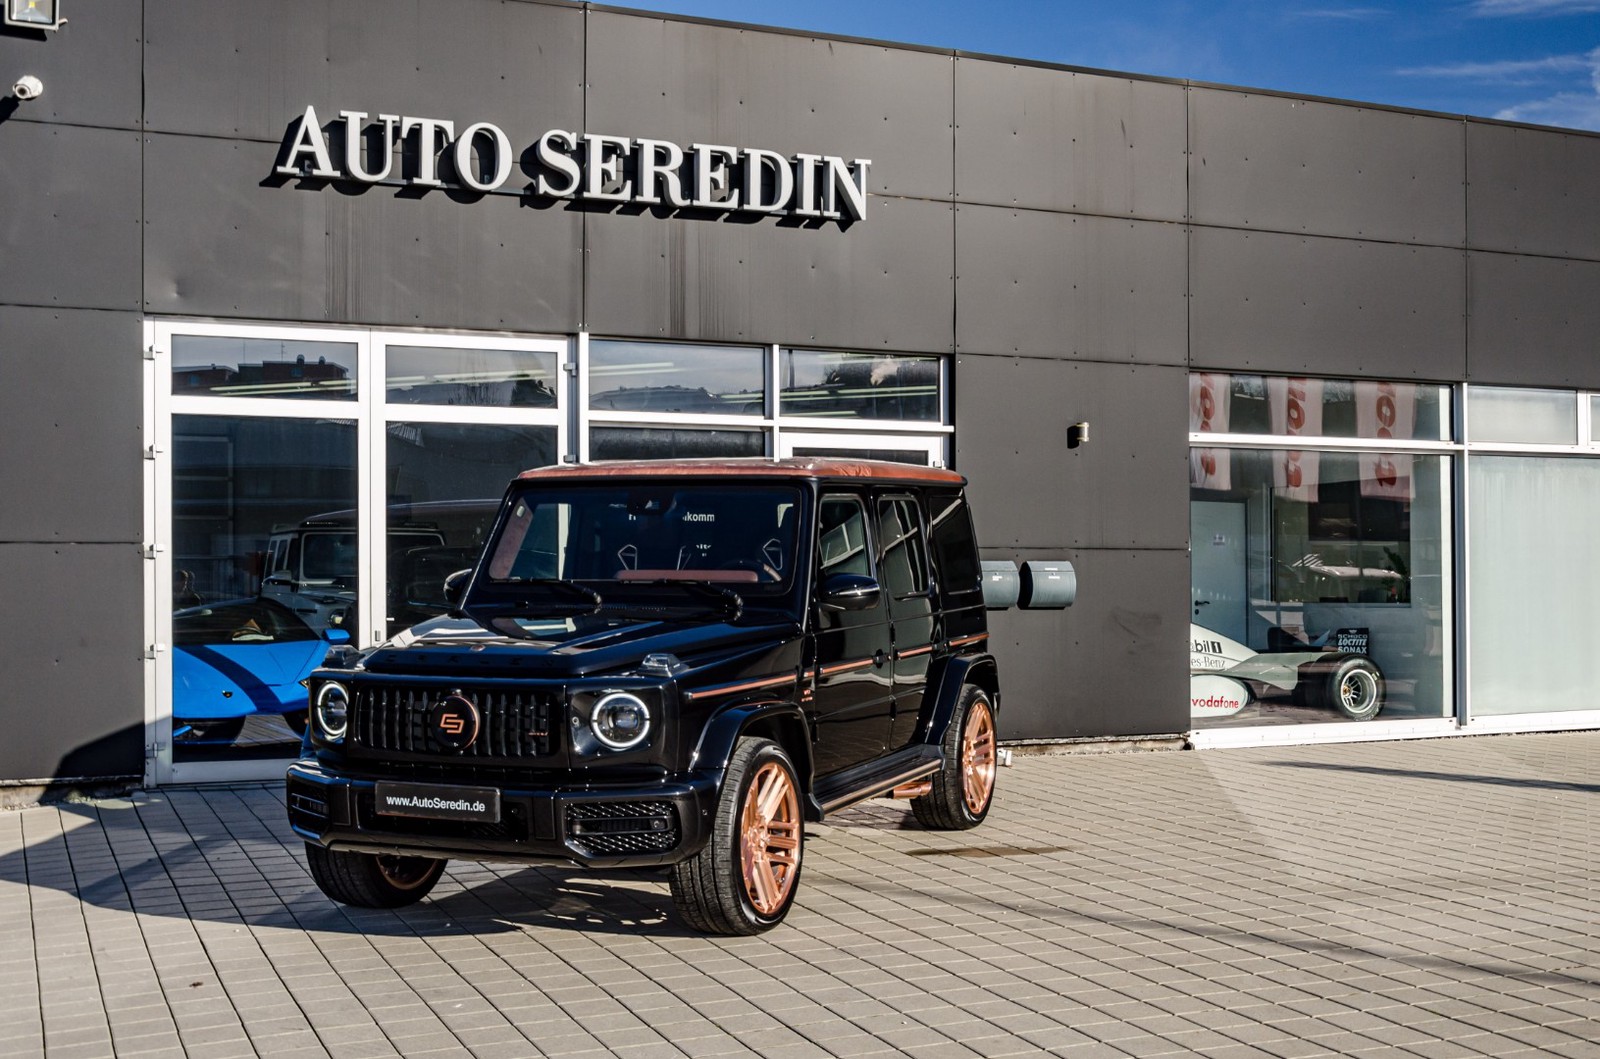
<point x="915" y="651"/>
<point x="963" y="641"/>
<point x="750" y="685"/>
<point x="842" y="666"/>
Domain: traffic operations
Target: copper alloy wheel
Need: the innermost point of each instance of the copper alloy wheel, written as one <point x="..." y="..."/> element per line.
<point x="977" y="757"/>
<point x="769" y="838"/>
<point x="405" y="873"/>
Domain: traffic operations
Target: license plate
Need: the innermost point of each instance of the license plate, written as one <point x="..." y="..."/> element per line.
<point x="1351" y="641"/>
<point x="430" y="801"/>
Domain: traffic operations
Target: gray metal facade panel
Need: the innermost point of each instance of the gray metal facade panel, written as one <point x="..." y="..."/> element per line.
<point x="788" y="93"/>
<point x="1532" y="191"/>
<point x="242" y="68"/>
<point x="70" y="467"/>
<point x="1068" y="286"/>
<point x="80" y="655"/>
<point x="883" y="283"/>
<point x="1114" y="663"/>
<point x="236" y="245"/>
<point x="78" y="231"/>
<point x="1289" y="304"/>
<point x="1058" y="140"/>
<point x="1534" y="321"/>
<point x="89" y="68"/>
<point x="1128" y="487"/>
<point x="1294" y="165"/>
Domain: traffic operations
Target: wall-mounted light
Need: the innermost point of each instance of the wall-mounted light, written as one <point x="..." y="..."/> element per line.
<point x="34" y="14"/>
<point x="28" y="87"/>
<point x="1077" y="434"/>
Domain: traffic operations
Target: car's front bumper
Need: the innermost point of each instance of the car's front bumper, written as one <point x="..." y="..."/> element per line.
<point x="595" y="826"/>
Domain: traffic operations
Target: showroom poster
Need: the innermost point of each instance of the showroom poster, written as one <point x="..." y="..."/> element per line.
<point x="1386" y="410"/>
<point x="1296" y="409"/>
<point x="1208" y="414"/>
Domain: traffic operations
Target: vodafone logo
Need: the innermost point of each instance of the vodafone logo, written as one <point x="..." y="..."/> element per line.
<point x="1215" y="696"/>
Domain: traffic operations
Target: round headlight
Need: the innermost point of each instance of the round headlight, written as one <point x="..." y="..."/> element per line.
<point x="620" y="720"/>
<point x="332" y="710"/>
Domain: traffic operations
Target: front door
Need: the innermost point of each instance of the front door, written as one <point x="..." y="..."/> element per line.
<point x="853" y="707"/>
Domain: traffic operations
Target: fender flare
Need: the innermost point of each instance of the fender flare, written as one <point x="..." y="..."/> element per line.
<point x="980" y="670"/>
<point x="781" y="721"/>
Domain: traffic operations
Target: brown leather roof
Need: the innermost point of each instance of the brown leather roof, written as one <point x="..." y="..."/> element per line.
<point x="798" y="467"/>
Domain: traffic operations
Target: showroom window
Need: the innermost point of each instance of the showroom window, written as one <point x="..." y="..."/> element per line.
<point x="657" y="400"/>
<point x="311" y="487"/>
<point x="1321" y="551"/>
<point x="1533" y="500"/>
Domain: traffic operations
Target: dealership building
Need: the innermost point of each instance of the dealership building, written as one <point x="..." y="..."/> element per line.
<point x="291" y="290"/>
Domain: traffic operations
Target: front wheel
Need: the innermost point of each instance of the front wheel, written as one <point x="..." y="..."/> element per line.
<point x="372" y="880"/>
<point x="963" y="789"/>
<point x="744" y="879"/>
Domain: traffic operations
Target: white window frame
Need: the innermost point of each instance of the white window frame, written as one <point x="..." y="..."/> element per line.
<point x="371" y="413"/>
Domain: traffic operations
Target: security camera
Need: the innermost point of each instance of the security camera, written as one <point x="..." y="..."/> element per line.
<point x="27" y="88"/>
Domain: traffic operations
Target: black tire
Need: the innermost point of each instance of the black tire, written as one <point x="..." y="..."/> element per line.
<point x="372" y="880"/>
<point x="963" y="788"/>
<point x="728" y="888"/>
<point x="1354" y="687"/>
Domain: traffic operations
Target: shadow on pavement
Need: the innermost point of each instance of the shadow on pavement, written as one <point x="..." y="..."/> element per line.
<point x="1452" y="777"/>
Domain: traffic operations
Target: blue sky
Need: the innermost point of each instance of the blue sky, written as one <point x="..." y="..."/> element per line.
<point x="1522" y="60"/>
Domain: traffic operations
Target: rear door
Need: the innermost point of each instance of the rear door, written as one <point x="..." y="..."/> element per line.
<point x="903" y="571"/>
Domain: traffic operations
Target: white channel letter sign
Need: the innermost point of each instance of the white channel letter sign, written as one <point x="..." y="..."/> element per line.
<point x="588" y="166"/>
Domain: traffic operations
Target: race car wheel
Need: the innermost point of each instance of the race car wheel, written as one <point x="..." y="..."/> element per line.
<point x="963" y="789"/>
<point x="1355" y="688"/>
<point x="372" y="880"/>
<point x="744" y="878"/>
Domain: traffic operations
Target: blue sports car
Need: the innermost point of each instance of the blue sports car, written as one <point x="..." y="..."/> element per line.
<point x="238" y="658"/>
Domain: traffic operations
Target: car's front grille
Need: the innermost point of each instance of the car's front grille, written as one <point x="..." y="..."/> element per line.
<point x="517" y="724"/>
<point x="609" y="829"/>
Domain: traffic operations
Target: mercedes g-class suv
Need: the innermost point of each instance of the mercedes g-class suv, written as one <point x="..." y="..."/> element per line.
<point x="665" y="664"/>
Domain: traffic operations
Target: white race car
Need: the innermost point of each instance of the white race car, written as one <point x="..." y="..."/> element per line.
<point x="1332" y="673"/>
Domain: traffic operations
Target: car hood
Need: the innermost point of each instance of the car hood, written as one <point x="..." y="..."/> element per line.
<point x="569" y="647"/>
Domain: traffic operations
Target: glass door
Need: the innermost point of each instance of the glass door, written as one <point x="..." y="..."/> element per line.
<point x="310" y="488"/>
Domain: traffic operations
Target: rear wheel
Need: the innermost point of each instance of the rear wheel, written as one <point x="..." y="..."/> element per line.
<point x="963" y="789"/>
<point x="1355" y="688"/>
<point x="372" y="880"/>
<point x="744" y="879"/>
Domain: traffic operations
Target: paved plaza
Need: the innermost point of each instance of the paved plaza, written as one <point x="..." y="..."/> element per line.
<point x="1432" y="899"/>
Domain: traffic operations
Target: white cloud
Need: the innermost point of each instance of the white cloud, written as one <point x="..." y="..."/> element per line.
<point x="1535" y="8"/>
<point x="1570" y="110"/>
<point x="1345" y="14"/>
<point x="1511" y="71"/>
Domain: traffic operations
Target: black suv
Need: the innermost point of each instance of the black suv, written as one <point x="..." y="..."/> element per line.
<point x="670" y="664"/>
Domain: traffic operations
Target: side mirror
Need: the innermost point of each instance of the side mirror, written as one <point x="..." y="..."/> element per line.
<point x="336" y="636"/>
<point x="850" y="592"/>
<point x="455" y="588"/>
<point x="279" y="580"/>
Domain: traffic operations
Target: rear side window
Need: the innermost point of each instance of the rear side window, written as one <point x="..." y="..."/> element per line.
<point x="903" y="556"/>
<point x="955" y="548"/>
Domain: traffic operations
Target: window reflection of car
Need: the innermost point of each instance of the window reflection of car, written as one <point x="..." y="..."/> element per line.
<point x="241" y="658"/>
<point x="312" y="566"/>
<point x="1225" y="675"/>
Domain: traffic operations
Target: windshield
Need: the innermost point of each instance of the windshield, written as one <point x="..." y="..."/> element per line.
<point x="741" y="537"/>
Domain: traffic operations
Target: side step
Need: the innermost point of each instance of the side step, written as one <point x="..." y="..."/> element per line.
<point x="901" y="769"/>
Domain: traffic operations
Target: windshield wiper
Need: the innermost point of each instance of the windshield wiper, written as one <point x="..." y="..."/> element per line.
<point x="584" y="593"/>
<point x="713" y="593"/>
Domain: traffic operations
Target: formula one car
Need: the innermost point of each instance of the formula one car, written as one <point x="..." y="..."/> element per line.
<point x="1332" y="672"/>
